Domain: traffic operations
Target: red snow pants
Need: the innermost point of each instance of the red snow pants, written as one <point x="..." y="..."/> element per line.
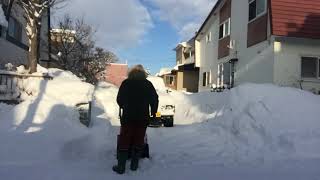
<point x="131" y="135"/>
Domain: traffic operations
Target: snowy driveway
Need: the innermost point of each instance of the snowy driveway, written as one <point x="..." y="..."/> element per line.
<point x="247" y="133"/>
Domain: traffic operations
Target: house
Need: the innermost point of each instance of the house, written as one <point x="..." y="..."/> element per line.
<point x="260" y="41"/>
<point x="115" y="73"/>
<point x="62" y="40"/>
<point x="186" y="75"/>
<point x="13" y="37"/>
<point x="169" y="77"/>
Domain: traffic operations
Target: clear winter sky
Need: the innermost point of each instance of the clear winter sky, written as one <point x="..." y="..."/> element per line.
<point x="141" y="31"/>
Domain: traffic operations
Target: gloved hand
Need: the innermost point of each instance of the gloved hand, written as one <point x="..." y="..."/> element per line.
<point x="152" y="118"/>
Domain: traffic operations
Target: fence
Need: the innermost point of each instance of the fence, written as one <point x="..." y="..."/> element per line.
<point x="11" y="83"/>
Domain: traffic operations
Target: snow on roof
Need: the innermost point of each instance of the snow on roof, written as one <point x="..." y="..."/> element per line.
<point x="164" y="71"/>
<point x="63" y="31"/>
<point x="182" y="44"/>
<point x="3" y="20"/>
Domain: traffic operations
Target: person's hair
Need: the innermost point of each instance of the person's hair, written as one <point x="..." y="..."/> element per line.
<point x="137" y="72"/>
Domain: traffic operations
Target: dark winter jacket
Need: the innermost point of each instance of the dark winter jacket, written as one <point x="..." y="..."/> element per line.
<point x="136" y="97"/>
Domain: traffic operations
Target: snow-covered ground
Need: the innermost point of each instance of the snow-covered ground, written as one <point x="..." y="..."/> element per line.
<point x="251" y="132"/>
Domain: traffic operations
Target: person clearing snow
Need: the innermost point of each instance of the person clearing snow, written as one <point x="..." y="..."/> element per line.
<point x="136" y="95"/>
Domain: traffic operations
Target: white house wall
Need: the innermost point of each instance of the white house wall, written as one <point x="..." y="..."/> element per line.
<point x="288" y="53"/>
<point x="255" y="63"/>
<point x="208" y="53"/>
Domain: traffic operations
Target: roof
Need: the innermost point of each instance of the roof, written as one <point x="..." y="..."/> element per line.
<point x="67" y="31"/>
<point x="208" y="17"/>
<point x="292" y="18"/>
<point x="182" y="44"/>
<point x="189" y="44"/>
<point x="164" y="71"/>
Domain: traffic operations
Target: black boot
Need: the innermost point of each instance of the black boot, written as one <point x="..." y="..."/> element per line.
<point x="136" y="155"/>
<point x="122" y="158"/>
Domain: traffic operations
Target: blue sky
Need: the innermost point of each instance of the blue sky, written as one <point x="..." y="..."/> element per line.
<point x="141" y="31"/>
<point x="156" y="50"/>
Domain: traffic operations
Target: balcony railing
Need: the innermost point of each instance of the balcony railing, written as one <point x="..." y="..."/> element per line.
<point x="189" y="60"/>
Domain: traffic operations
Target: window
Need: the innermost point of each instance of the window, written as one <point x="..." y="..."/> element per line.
<point x="208" y="37"/>
<point x="310" y="67"/>
<point x="224" y="29"/>
<point x="15" y="29"/>
<point x="206" y="79"/>
<point x="257" y="8"/>
<point x="170" y="80"/>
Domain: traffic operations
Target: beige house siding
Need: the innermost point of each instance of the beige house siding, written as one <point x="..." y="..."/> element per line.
<point x="190" y="81"/>
<point x="187" y="81"/>
<point x="180" y="81"/>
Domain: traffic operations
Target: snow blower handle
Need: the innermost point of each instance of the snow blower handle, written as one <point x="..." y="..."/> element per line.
<point x="120" y="112"/>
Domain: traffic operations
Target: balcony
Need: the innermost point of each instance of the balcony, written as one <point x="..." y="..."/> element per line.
<point x="189" y="60"/>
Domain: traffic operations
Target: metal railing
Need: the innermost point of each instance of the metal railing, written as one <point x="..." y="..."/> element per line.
<point x="11" y="84"/>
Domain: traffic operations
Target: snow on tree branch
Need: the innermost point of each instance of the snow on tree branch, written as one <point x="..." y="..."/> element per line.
<point x="33" y="13"/>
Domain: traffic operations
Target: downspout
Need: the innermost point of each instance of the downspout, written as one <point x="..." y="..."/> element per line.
<point x="49" y="36"/>
<point x="39" y="27"/>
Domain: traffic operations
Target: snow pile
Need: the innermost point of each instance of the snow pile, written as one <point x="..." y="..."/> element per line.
<point x="61" y="88"/>
<point x="216" y="135"/>
<point x="106" y="95"/>
<point x="158" y="83"/>
<point x="255" y="123"/>
<point x="3" y="20"/>
<point x="41" y="97"/>
<point x="251" y="124"/>
<point x="44" y="130"/>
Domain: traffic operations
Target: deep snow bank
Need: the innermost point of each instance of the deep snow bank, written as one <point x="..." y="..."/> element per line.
<point x="255" y="122"/>
<point x="251" y="124"/>
<point x="46" y="101"/>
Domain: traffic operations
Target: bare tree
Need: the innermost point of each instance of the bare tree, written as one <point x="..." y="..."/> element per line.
<point x="76" y="47"/>
<point x="33" y="12"/>
<point x="75" y="42"/>
<point x="97" y="65"/>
